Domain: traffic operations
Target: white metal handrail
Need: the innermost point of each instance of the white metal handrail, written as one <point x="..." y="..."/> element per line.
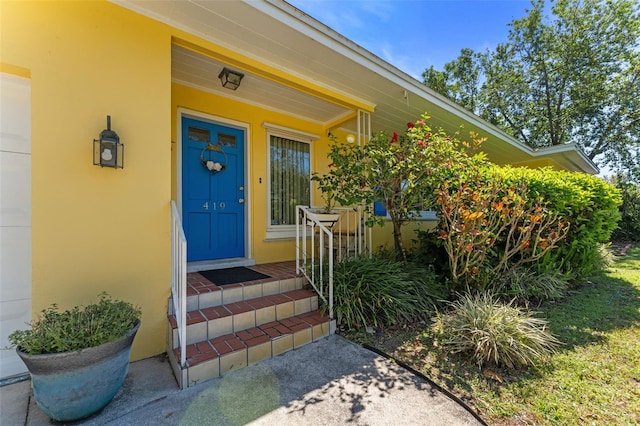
<point x="321" y="239"/>
<point x="179" y="279"/>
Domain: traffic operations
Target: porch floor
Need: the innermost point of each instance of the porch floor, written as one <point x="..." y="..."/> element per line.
<point x="198" y="284"/>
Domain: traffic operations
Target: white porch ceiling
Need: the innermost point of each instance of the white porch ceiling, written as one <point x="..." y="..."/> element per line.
<point x="199" y="71"/>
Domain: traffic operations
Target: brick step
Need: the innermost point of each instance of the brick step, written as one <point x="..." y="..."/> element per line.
<point x="202" y="293"/>
<point x="211" y="322"/>
<point x="211" y="358"/>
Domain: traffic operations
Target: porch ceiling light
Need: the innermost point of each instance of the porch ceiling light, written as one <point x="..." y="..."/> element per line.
<point x="230" y="79"/>
<point x="107" y="149"/>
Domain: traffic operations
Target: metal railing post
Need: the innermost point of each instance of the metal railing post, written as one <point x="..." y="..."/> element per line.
<point x="179" y="279"/>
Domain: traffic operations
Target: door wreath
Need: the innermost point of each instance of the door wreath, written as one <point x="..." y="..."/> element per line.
<point x="211" y="165"/>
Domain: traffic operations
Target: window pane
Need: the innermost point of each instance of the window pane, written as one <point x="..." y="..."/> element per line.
<point x="227" y="140"/>
<point x="200" y="135"/>
<point x="290" y="171"/>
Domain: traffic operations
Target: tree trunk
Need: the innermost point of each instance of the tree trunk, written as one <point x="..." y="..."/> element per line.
<point x="397" y="239"/>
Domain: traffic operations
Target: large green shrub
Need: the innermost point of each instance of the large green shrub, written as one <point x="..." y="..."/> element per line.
<point x="379" y="291"/>
<point x="492" y="332"/>
<point x="493" y="219"/>
<point x="629" y="224"/>
<point x="587" y="203"/>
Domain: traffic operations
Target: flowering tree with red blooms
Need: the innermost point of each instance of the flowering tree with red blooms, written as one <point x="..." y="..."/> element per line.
<point x="400" y="171"/>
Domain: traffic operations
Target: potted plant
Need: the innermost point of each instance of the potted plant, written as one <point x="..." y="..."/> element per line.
<point x="78" y="359"/>
<point x="326" y="215"/>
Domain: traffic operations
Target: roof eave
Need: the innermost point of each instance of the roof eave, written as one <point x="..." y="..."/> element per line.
<point x="568" y="154"/>
<point x="278" y="9"/>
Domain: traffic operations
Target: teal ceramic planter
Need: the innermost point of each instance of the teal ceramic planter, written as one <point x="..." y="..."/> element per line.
<point x="72" y="385"/>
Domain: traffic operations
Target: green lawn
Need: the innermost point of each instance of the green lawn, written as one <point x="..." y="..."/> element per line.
<point x="593" y="379"/>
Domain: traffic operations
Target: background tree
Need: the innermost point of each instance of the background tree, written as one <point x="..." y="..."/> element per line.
<point x="573" y="77"/>
<point x="460" y="80"/>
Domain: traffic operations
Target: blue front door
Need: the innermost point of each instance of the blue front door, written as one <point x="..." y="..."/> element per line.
<point x="212" y="190"/>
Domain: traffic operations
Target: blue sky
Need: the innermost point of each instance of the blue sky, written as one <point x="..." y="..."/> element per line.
<point x="415" y="34"/>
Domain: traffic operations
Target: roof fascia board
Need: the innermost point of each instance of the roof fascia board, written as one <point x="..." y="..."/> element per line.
<point x="309" y="26"/>
<point x="568" y="150"/>
<point x="314" y="29"/>
<point x="322" y="33"/>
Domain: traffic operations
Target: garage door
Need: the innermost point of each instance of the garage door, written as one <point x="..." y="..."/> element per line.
<point x="15" y="215"/>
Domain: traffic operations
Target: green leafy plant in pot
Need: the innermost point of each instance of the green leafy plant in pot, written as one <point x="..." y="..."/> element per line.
<point x="78" y="359"/>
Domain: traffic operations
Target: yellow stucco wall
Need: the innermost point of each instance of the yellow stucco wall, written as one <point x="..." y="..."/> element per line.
<point x="97" y="229"/>
<point x="263" y="250"/>
<point x="108" y="230"/>
<point x="382" y="237"/>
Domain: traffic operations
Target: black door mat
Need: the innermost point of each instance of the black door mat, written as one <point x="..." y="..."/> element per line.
<point x="232" y="275"/>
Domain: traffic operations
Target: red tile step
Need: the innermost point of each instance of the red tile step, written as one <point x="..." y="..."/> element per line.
<point x="222" y="345"/>
<point x="215" y="312"/>
<point x="214" y="357"/>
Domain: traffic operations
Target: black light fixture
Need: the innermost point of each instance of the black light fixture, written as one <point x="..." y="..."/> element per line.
<point x="107" y="150"/>
<point x="230" y="79"/>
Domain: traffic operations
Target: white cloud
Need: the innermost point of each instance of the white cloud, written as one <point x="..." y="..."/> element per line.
<point x="381" y="9"/>
<point x="406" y="63"/>
<point x="330" y="13"/>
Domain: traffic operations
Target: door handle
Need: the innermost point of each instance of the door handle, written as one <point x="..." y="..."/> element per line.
<point x="241" y="200"/>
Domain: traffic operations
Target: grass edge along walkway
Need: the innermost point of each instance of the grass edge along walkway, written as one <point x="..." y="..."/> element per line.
<point x="594" y="378"/>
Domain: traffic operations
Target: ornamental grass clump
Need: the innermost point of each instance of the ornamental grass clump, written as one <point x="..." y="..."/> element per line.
<point x="76" y="328"/>
<point x="379" y="291"/>
<point x="492" y="332"/>
<point x="530" y="285"/>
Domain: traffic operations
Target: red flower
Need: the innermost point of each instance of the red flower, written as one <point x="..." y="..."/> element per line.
<point x="428" y="135"/>
<point x="421" y="122"/>
<point x="331" y="165"/>
<point x="409" y="125"/>
<point x="421" y="143"/>
<point x="394" y="138"/>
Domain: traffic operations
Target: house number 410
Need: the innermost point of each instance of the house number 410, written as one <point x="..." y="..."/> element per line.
<point x="214" y="206"/>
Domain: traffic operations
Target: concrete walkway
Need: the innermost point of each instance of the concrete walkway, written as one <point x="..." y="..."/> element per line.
<point x="329" y="382"/>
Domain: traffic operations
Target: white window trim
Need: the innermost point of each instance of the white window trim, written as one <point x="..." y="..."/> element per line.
<point x="278" y="232"/>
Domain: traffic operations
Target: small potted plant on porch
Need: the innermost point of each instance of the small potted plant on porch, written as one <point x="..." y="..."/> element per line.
<point x="330" y="186"/>
<point x="326" y="215"/>
<point x="78" y="359"/>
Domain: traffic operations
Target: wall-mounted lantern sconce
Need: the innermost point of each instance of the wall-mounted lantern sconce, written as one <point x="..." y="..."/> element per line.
<point x="107" y="150"/>
<point x="351" y="138"/>
<point x="230" y="79"/>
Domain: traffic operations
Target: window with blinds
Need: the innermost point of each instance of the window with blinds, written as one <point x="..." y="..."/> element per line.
<point x="290" y="171"/>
